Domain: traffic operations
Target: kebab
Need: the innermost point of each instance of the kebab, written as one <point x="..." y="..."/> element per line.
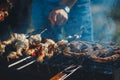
<point x="41" y="51"/>
<point x="94" y="52"/>
<point x="46" y="49"/>
<point x="19" y="42"/>
<point x="31" y="46"/>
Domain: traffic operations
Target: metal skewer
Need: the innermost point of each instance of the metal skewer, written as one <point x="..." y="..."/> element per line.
<point x="26" y="65"/>
<point x="71" y="72"/>
<point x="35" y="32"/>
<point x="43" y="31"/>
<point x="13" y="64"/>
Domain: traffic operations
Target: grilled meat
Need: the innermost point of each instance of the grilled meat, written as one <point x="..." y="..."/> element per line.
<point x="34" y="46"/>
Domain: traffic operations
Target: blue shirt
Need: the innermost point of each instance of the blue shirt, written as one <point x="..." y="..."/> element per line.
<point x="78" y="1"/>
<point x="53" y="0"/>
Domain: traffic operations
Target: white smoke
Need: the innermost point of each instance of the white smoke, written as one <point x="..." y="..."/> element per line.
<point x="104" y="25"/>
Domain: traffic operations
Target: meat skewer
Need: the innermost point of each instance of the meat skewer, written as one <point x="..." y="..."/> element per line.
<point x="33" y="46"/>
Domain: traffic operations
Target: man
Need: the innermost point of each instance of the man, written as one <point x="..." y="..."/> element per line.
<point x="57" y="11"/>
<point x="72" y="15"/>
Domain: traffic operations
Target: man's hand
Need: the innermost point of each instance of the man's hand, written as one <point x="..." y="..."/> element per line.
<point x="58" y="17"/>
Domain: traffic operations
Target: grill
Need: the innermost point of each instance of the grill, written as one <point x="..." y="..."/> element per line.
<point x="69" y="58"/>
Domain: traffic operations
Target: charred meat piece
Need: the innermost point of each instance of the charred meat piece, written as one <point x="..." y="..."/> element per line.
<point x="43" y="50"/>
<point x="51" y="46"/>
<point x="12" y="55"/>
<point x="34" y="40"/>
<point x="61" y="46"/>
<point x="2" y="48"/>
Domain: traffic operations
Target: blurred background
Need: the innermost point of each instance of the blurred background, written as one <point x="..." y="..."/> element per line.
<point x="106" y="20"/>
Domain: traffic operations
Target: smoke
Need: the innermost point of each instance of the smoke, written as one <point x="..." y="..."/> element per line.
<point x="104" y="24"/>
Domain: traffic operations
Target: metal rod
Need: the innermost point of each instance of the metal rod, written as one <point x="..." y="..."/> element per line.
<point x="43" y="31"/>
<point x="72" y="71"/>
<point x="13" y="64"/>
<point x="26" y="65"/>
<point x="35" y="32"/>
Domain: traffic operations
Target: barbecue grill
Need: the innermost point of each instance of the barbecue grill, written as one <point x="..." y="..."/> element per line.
<point x="77" y="60"/>
<point x="50" y="68"/>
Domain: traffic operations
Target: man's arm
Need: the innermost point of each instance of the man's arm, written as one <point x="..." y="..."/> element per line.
<point x="59" y="16"/>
